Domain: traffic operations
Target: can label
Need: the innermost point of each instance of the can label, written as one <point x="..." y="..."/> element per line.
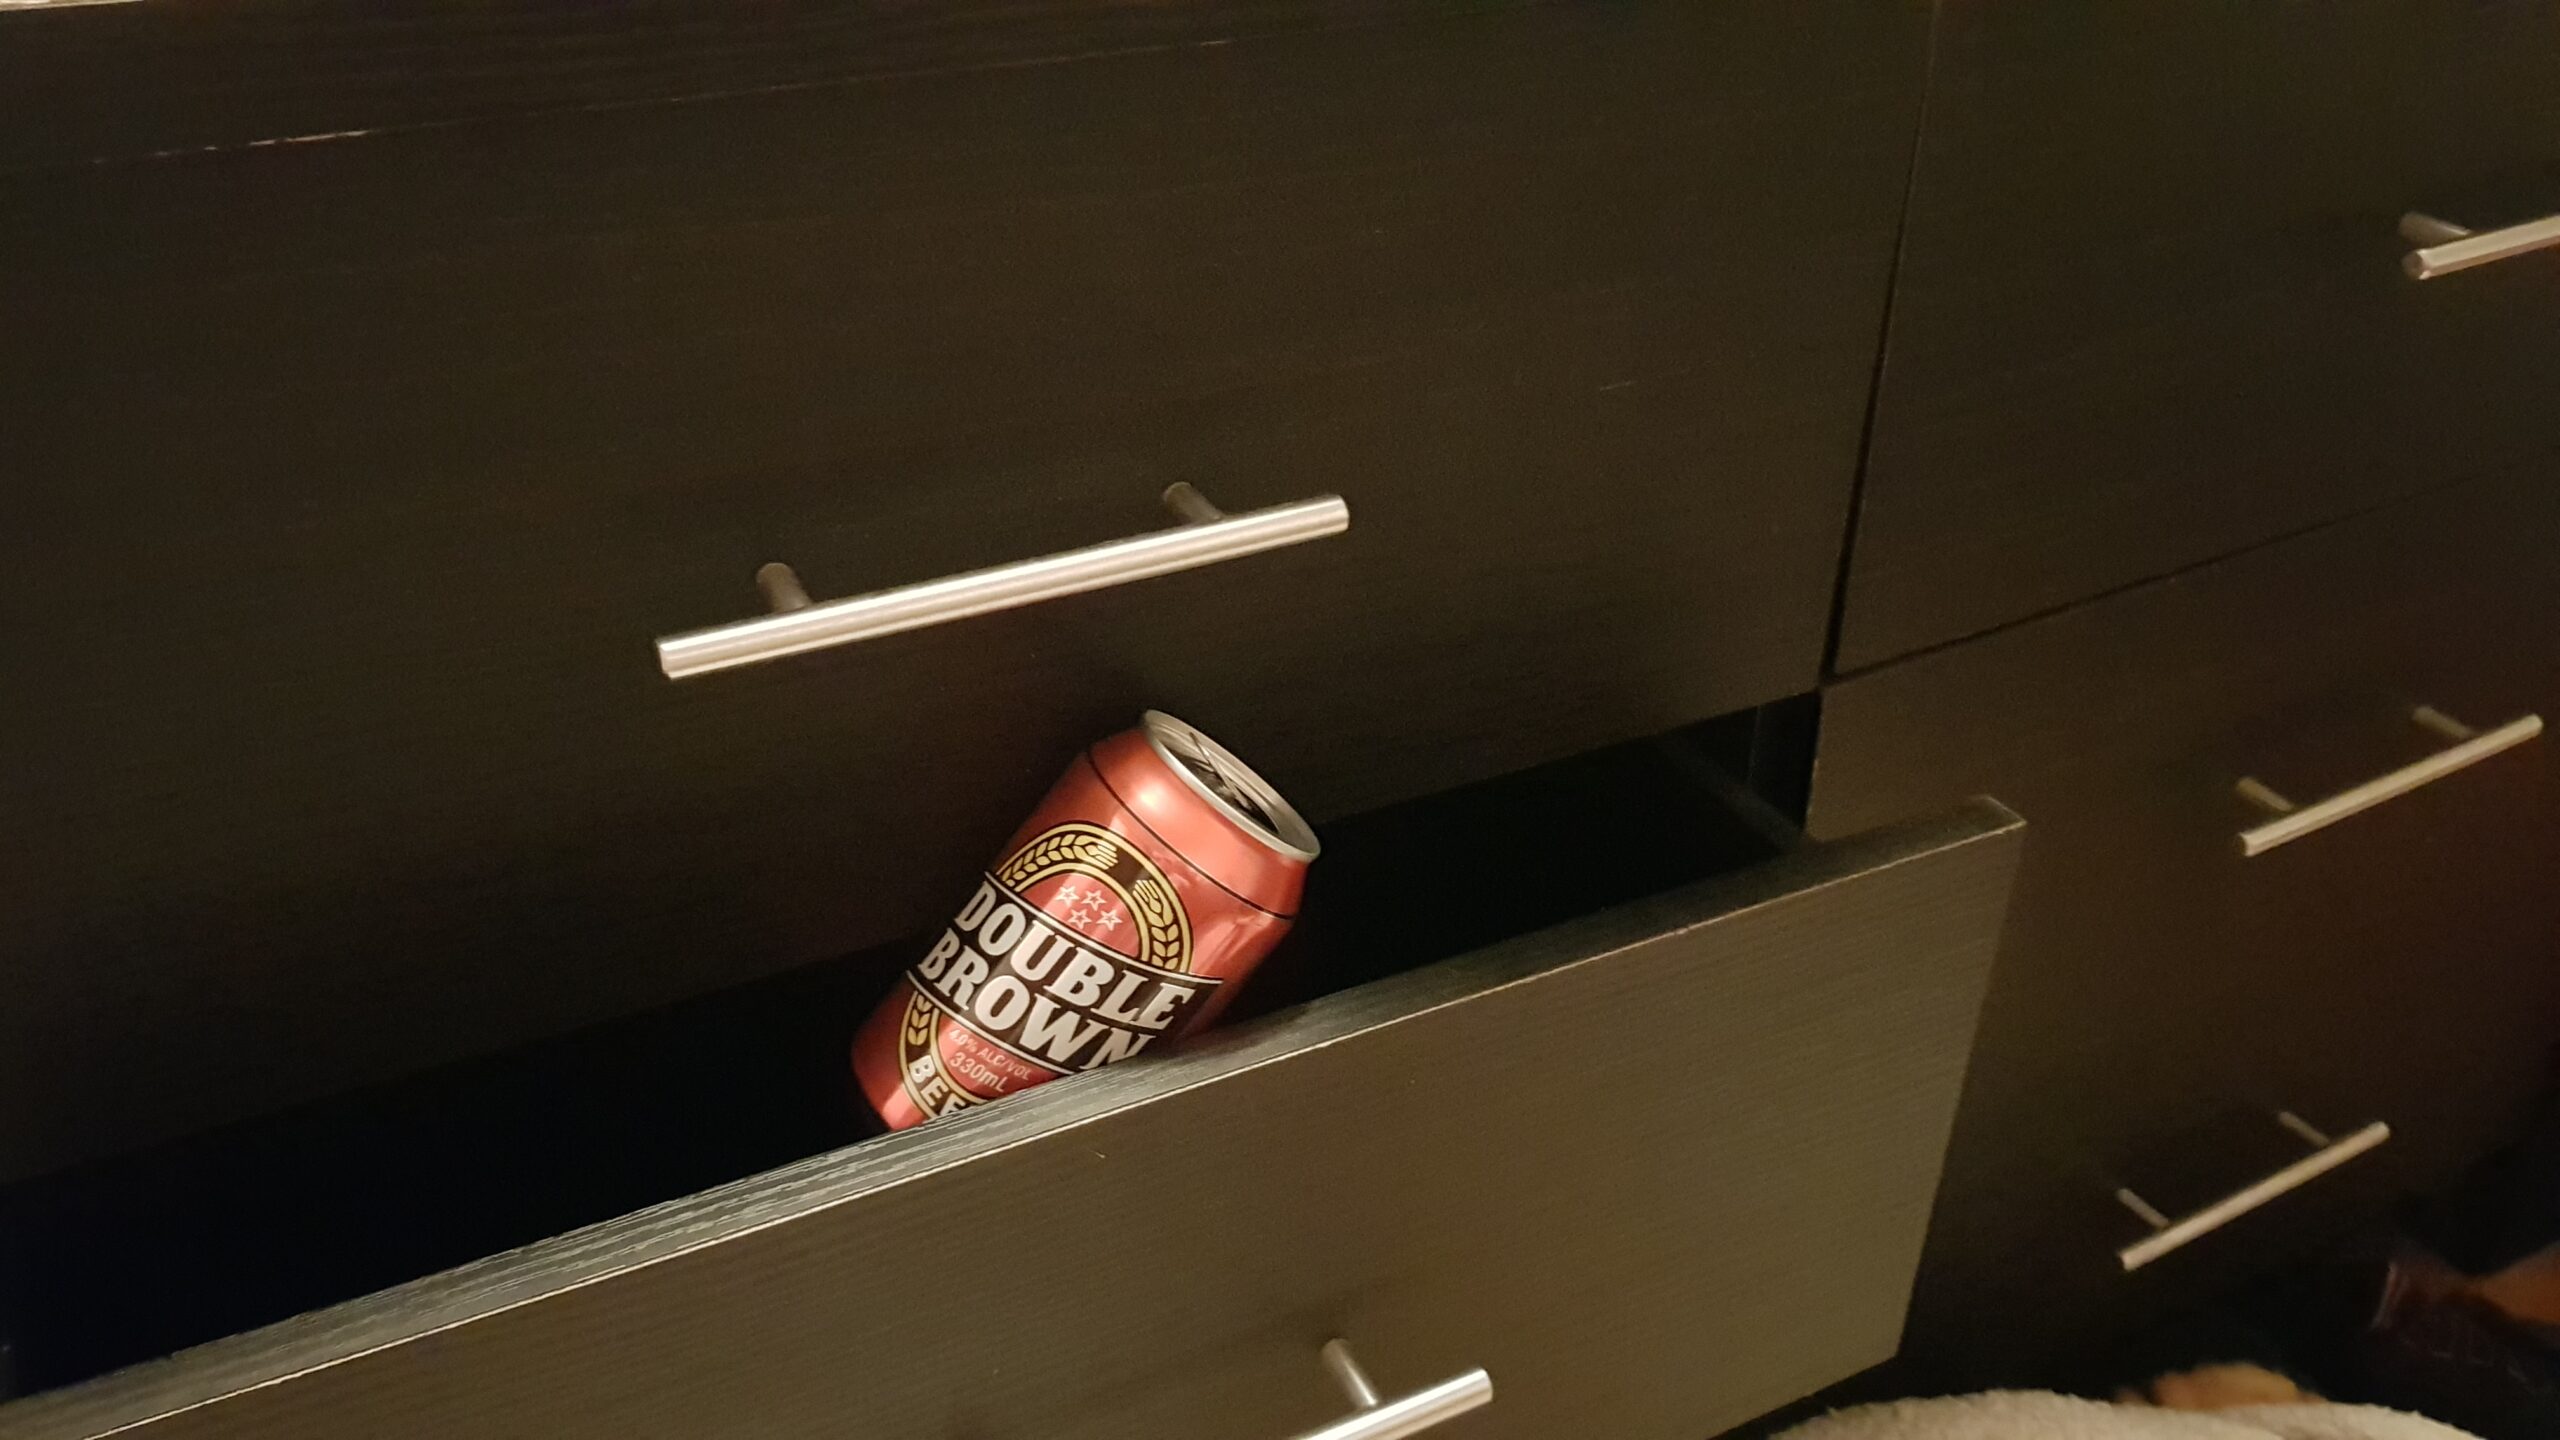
<point x="1123" y="914"/>
<point x="1074" y="952"/>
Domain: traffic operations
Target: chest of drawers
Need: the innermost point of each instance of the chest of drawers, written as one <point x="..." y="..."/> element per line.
<point x="1889" y="405"/>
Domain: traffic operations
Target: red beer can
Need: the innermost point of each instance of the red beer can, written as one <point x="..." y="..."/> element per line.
<point x="1156" y="874"/>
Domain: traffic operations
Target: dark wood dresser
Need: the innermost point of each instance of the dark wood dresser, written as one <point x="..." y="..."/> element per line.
<point x="1783" y="443"/>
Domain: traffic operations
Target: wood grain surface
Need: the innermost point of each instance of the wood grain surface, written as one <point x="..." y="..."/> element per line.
<point x="350" y="482"/>
<point x="2150" y="307"/>
<point x="2158" y="996"/>
<point x="1658" y="1169"/>
<point x="106" y="84"/>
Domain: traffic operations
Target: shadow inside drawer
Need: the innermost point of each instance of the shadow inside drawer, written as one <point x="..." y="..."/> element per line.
<point x="141" y="1256"/>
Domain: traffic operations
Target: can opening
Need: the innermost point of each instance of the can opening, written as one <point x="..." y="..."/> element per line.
<point x="1230" y="784"/>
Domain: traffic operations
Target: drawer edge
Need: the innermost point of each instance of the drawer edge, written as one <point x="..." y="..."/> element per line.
<point x="208" y="1375"/>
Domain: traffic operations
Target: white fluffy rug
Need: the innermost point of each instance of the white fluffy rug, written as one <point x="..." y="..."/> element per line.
<point x="2036" y="1415"/>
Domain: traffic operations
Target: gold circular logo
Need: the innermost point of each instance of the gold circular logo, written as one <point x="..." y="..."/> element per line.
<point x="1075" y="848"/>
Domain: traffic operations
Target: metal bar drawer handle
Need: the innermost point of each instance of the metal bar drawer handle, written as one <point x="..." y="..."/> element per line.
<point x="1376" y="1419"/>
<point x="1207" y="536"/>
<point x="2444" y="247"/>
<point x="2470" y="747"/>
<point x="2167" y="1234"/>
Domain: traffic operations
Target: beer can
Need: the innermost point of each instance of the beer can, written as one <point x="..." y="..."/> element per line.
<point x="1155" y="875"/>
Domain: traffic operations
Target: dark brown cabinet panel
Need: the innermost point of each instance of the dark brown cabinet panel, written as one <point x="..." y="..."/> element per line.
<point x="1702" y="1124"/>
<point x="350" y="481"/>
<point x="155" y="80"/>
<point x="2151" y="307"/>
<point x="2160" y="999"/>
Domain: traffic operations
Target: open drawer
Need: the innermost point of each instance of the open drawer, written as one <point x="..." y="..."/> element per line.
<point x="1658" y="1157"/>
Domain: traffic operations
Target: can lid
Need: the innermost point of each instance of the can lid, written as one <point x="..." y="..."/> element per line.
<point x="1228" y="783"/>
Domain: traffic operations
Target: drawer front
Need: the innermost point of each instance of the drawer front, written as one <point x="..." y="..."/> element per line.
<point x="1657" y="1170"/>
<point x="2152" y="309"/>
<point x="93" y="89"/>
<point x="2161" y="998"/>
<point x="401" y="448"/>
